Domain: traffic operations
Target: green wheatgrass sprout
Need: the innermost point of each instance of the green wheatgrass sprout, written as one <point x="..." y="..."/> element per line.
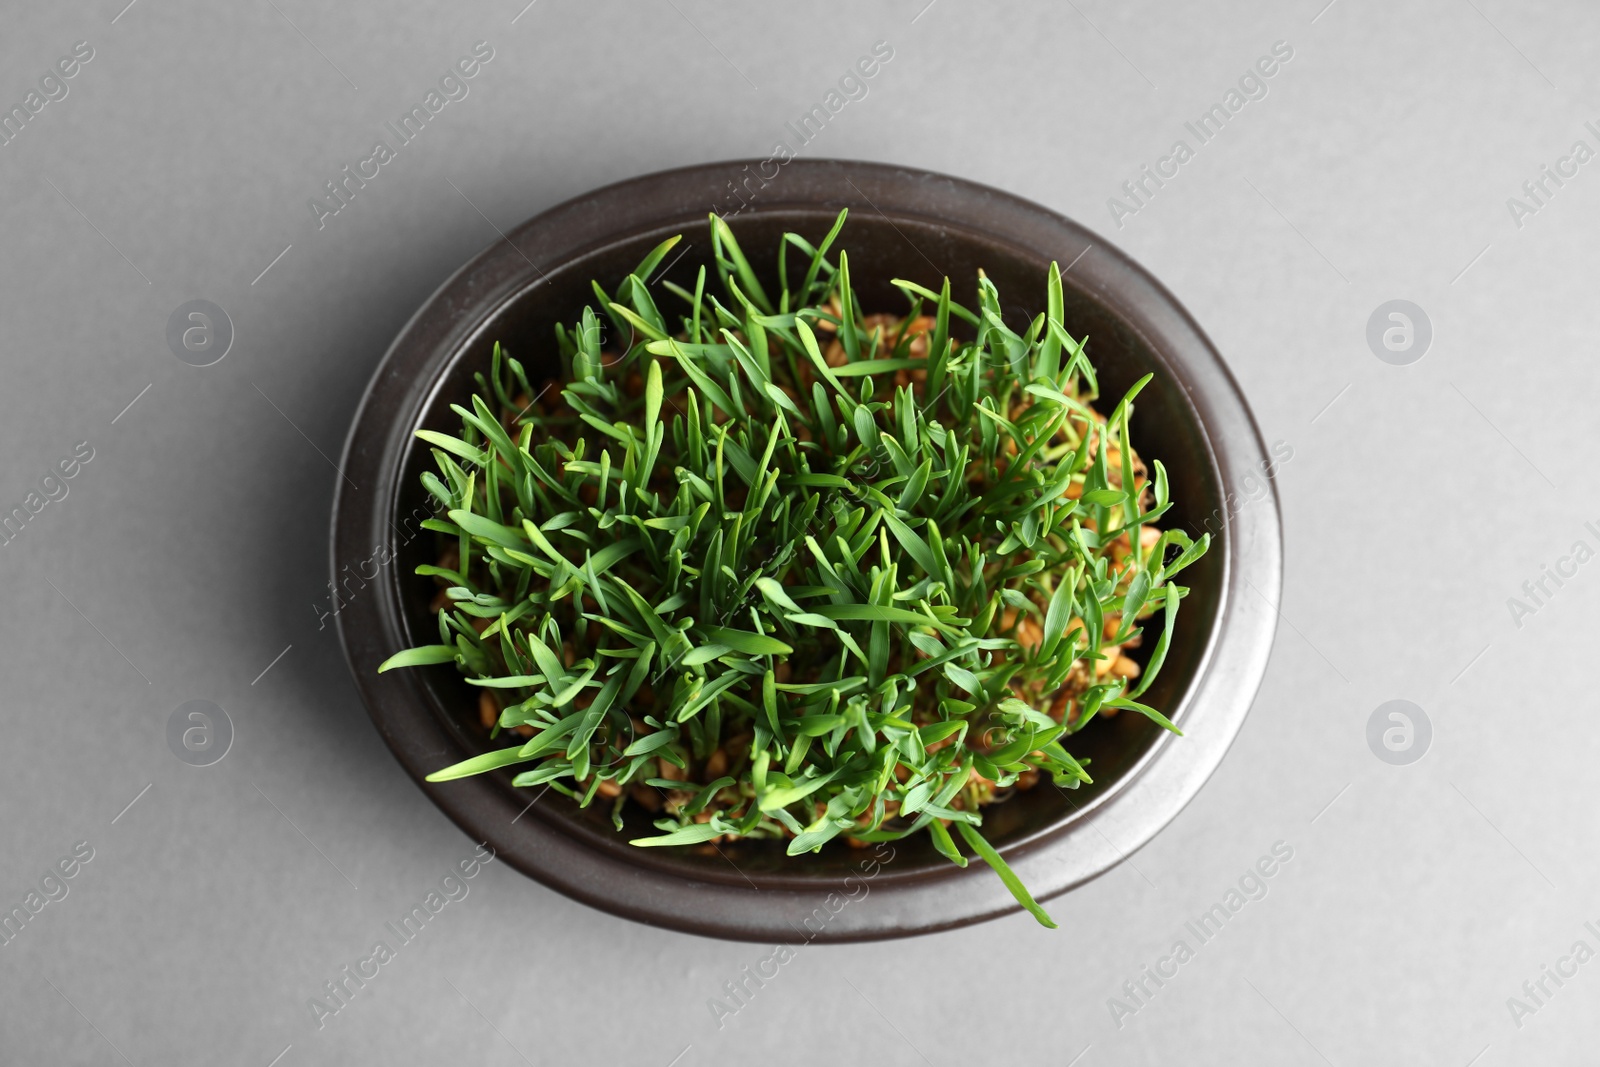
<point x="783" y="570"/>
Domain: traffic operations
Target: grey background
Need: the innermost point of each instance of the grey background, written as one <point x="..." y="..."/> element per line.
<point x="190" y="550"/>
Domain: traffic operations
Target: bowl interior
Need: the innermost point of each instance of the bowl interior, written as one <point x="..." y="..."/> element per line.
<point x="1165" y="427"/>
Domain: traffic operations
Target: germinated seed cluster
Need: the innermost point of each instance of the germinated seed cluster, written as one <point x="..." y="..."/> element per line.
<point x="781" y="569"/>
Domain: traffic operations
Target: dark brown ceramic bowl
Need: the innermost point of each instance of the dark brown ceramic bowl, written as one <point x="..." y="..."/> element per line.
<point x="904" y="223"/>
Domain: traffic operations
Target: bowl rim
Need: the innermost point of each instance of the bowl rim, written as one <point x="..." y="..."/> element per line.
<point x="631" y="883"/>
